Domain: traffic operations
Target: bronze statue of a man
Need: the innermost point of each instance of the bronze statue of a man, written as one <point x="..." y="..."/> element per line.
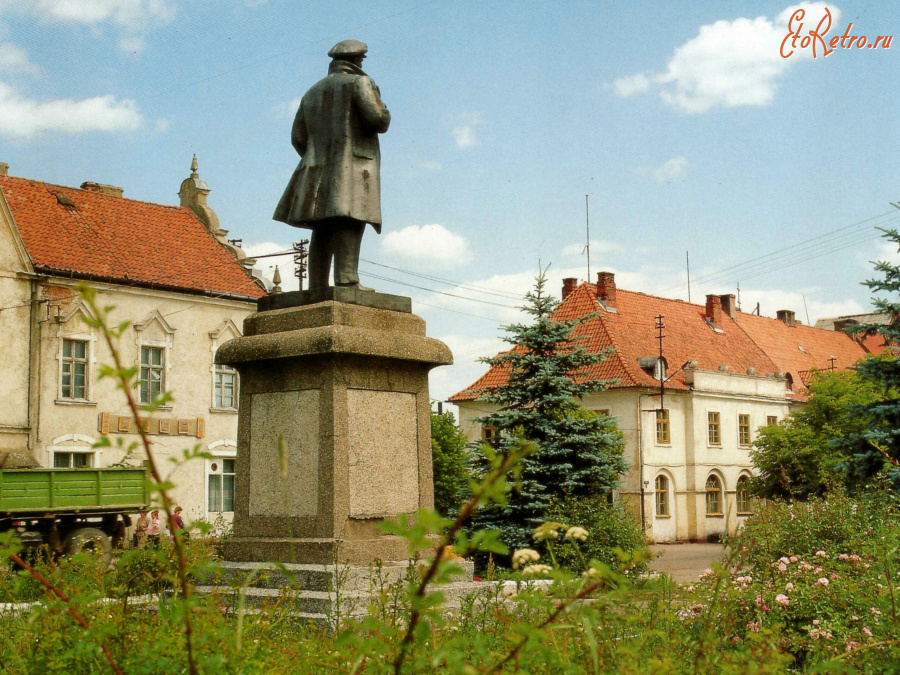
<point x="336" y="188"/>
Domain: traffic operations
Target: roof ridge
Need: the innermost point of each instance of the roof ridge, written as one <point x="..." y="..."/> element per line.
<point x="95" y="193"/>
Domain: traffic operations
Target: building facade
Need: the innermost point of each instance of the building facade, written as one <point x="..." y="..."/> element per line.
<point x="690" y="404"/>
<point x="182" y="289"/>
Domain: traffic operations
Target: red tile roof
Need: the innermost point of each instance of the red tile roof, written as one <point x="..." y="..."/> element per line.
<point x="799" y="350"/>
<point x="741" y="343"/>
<point x="111" y="238"/>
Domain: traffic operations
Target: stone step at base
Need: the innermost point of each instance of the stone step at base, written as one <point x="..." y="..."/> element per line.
<point x="316" y="577"/>
<point x="348" y="603"/>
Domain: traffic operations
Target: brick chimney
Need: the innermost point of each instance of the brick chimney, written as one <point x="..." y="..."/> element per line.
<point x="606" y="288"/>
<point x="714" y="312"/>
<point x="4" y="169"/>
<point x="729" y="306"/>
<point x="786" y="317"/>
<point x="569" y="285"/>
<point x="110" y="190"/>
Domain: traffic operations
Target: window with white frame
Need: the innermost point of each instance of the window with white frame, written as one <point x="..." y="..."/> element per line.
<point x="73" y="460"/>
<point x="220" y="479"/>
<point x="152" y="379"/>
<point x="73" y="380"/>
<point x="226" y="387"/>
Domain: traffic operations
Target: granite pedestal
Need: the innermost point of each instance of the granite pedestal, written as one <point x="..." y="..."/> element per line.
<point x="334" y="430"/>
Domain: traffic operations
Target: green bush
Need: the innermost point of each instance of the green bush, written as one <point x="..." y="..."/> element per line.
<point x="609" y="527"/>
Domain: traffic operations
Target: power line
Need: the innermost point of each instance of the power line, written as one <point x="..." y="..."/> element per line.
<point x="788" y="251"/>
<point x="431" y="290"/>
<point x="450" y="282"/>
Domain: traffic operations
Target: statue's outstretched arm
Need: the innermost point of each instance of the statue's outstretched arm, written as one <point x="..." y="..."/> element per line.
<point x="368" y="101"/>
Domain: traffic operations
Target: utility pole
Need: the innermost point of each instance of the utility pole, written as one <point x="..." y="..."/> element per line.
<point x="300" y="257"/>
<point x="587" y="225"/>
<point x="660" y="369"/>
<point x="687" y="257"/>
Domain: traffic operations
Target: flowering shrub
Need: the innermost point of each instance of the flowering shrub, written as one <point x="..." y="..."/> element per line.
<point x="828" y="592"/>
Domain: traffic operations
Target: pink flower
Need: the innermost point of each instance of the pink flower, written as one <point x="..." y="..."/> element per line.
<point x="782" y="600"/>
<point x="753" y="626"/>
<point x="782" y="567"/>
<point x="843" y="556"/>
<point x="835" y="576"/>
<point x="854" y="618"/>
<point x="759" y="601"/>
<point x="815" y="622"/>
<point x="851" y="646"/>
<point x="867" y="631"/>
<point x="874" y="610"/>
<point x="822" y="554"/>
<point x="789" y="587"/>
<point x="822" y="582"/>
<point x="854" y="557"/>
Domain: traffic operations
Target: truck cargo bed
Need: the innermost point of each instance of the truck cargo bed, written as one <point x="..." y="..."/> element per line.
<point x="37" y="491"/>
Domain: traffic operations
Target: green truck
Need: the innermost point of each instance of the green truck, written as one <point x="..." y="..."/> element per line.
<point x="69" y="510"/>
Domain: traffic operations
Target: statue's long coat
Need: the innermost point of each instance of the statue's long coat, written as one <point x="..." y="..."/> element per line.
<point x="336" y="134"/>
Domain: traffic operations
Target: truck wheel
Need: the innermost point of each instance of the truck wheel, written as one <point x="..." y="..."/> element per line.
<point x="91" y="540"/>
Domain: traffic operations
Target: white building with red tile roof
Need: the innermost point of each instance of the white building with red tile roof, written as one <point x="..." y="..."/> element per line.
<point x="724" y="375"/>
<point x="184" y="291"/>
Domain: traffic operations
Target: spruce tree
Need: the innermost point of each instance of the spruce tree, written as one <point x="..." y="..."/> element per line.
<point x="579" y="453"/>
<point x="877" y="449"/>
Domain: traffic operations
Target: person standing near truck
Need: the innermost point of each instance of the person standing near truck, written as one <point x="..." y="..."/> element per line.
<point x="177" y="523"/>
<point x="154" y="529"/>
<point x="140" y="530"/>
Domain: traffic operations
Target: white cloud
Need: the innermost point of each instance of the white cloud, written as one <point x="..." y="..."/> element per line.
<point x="426" y="246"/>
<point x="464" y="132"/>
<point x="771" y="301"/>
<point x="729" y="63"/>
<point x="162" y="125"/>
<point x="131" y="14"/>
<point x="288" y="109"/>
<point x="670" y="170"/>
<point x="23" y="118"/>
<point x="466" y="368"/>
<point x="631" y="85"/>
<point x="133" y="43"/>
<point x="887" y="252"/>
<point x="284" y="263"/>
<point x="15" y="59"/>
<point x="134" y="17"/>
<point x="431" y="165"/>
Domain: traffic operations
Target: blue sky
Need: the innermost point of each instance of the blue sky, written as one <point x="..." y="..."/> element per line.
<point x="680" y="120"/>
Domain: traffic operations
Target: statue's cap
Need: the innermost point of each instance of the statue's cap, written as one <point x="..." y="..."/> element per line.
<point x="348" y="48"/>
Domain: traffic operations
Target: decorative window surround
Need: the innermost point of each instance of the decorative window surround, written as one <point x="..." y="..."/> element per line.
<point x="225" y="332"/>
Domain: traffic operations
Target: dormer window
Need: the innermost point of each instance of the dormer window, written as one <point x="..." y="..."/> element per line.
<point x="788" y="384"/>
<point x="655" y="366"/>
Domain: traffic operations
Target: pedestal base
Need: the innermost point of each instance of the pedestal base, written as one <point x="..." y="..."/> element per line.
<point x="334" y="431"/>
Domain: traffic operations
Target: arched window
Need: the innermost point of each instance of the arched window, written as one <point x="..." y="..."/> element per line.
<point x="788" y="383"/>
<point x="662" y="496"/>
<point x="744" y="503"/>
<point x="713" y="496"/>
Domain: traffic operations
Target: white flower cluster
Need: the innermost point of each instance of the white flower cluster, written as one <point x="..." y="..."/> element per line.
<point x="577" y="533"/>
<point x="535" y="570"/>
<point x="524" y="556"/>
